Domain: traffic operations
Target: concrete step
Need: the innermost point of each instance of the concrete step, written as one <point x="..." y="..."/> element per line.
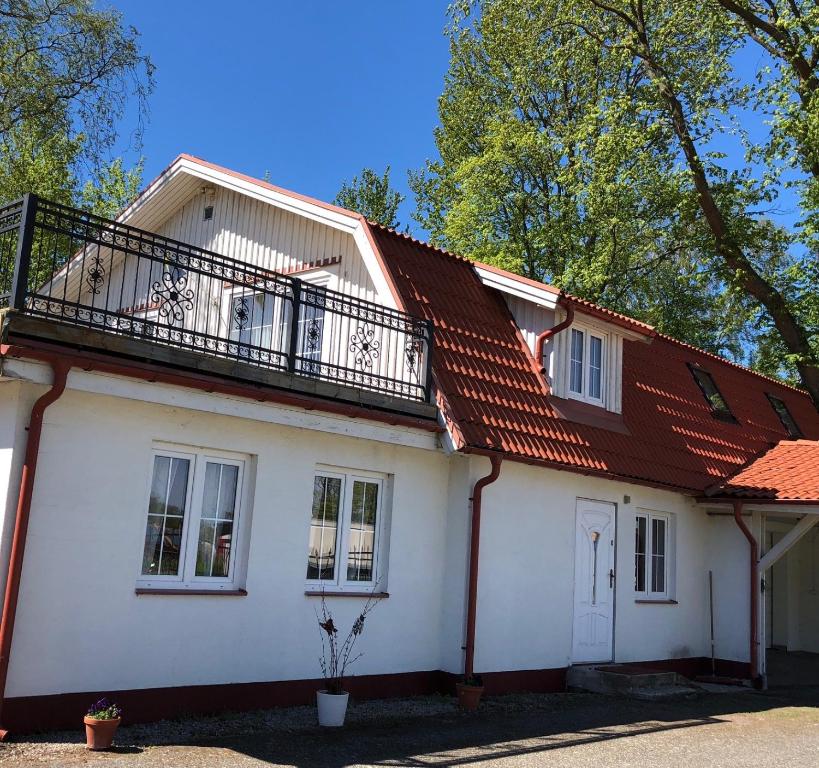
<point x="630" y="680"/>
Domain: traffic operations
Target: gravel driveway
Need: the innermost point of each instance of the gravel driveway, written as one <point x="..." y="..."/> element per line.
<point x="573" y="730"/>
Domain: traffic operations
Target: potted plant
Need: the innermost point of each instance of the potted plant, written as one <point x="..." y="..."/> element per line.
<point x="101" y="723"/>
<point x="335" y="658"/>
<point x="470" y="690"/>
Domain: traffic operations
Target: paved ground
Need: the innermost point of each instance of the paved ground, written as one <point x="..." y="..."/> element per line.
<point x="779" y="728"/>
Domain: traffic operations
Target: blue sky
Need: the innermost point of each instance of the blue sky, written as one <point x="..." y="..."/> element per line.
<point x="310" y="91"/>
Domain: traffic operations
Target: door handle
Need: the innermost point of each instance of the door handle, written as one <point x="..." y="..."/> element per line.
<point x="611" y="578"/>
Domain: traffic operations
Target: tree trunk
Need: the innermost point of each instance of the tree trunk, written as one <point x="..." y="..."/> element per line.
<point x="793" y="334"/>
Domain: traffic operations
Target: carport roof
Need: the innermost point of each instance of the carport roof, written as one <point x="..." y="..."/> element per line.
<point x="787" y="472"/>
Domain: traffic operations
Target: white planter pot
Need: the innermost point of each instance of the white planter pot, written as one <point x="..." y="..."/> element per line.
<point x="332" y="708"/>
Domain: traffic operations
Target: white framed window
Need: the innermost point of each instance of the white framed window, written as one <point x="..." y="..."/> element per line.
<point x="346" y="544"/>
<point x="653" y="555"/>
<point x="587" y="351"/>
<point x="194" y="532"/>
<point x="250" y="317"/>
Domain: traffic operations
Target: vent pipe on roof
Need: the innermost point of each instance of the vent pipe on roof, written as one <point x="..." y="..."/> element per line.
<point x="540" y="343"/>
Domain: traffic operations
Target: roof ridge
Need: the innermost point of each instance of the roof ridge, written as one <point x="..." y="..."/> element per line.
<point x="572" y="297"/>
<point x="732" y="363"/>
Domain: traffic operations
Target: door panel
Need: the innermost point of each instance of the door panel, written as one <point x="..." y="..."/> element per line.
<point x="593" y="631"/>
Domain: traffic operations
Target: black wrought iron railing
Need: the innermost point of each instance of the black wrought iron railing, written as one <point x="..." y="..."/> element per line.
<point x="73" y="267"/>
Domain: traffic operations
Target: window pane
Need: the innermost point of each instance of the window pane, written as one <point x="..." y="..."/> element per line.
<point x="216" y="523"/>
<point x="712" y="394"/>
<point x="595" y="367"/>
<point x="166" y="513"/>
<point x="658" y="550"/>
<point x="576" y="362"/>
<point x="251" y="319"/>
<point x="640" y="555"/>
<point x="321" y="554"/>
<point x="785" y="416"/>
<point x="361" y="557"/>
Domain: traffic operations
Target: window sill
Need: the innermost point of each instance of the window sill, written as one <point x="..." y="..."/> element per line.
<point x="342" y="593"/>
<point x="197" y="592"/>
<point x="641" y="601"/>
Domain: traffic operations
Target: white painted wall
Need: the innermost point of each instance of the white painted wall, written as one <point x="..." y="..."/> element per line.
<point x="88" y="520"/>
<point x="80" y="627"/>
<point x="525" y="600"/>
<point x="807" y="586"/>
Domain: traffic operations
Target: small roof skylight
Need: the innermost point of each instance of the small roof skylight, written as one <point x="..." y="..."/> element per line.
<point x="784" y="415"/>
<point x="714" y="398"/>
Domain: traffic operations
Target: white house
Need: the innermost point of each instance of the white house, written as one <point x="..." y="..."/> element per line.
<point x="236" y="398"/>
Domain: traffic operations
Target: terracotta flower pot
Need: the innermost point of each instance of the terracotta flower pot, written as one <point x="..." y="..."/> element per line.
<point x="469" y="696"/>
<point x="99" y="734"/>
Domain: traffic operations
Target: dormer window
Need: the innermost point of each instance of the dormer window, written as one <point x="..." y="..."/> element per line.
<point x="718" y="404"/>
<point x="586" y="352"/>
<point x="784" y="416"/>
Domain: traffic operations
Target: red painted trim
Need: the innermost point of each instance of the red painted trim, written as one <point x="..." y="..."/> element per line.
<point x="18" y="542"/>
<point x="754" y="633"/>
<point x="585" y="471"/>
<point x="382" y="263"/>
<point x="191" y="592"/>
<point x="474" y="553"/>
<point x="89" y="361"/>
<point x="760" y="501"/>
<point x="66" y="710"/>
<point x="328" y="593"/>
<point x="550" y="332"/>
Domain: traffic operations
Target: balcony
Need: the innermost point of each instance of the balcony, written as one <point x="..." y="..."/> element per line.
<point x="70" y="277"/>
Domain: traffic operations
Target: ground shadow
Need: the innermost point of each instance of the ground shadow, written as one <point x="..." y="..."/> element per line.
<point x="496" y="732"/>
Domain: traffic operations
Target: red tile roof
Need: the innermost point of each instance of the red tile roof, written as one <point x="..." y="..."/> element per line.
<point x="493" y="398"/>
<point x="787" y="472"/>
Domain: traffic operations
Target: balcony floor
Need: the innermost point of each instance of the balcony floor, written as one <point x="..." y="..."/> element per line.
<point x="19" y="328"/>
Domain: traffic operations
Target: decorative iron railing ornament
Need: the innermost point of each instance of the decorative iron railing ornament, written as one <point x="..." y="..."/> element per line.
<point x="96" y="274"/>
<point x="364" y="347"/>
<point x="413" y="351"/>
<point x="173" y="295"/>
<point x="241" y="313"/>
<point x="312" y="336"/>
<point x="54" y="260"/>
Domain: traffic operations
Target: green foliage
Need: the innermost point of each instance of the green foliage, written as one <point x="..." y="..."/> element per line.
<point x="575" y="146"/>
<point x="370" y="195"/>
<point x="67" y="72"/>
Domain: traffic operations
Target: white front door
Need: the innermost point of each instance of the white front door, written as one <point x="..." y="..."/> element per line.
<point x="593" y="636"/>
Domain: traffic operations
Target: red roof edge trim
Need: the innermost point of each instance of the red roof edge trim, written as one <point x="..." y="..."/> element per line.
<point x="757" y="501"/>
<point x="577" y="470"/>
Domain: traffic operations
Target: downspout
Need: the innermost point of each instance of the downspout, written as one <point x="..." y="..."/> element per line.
<point x="18" y="542"/>
<point x="474" y="551"/>
<point x="542" y="338"/>
<point x="754" y="634"/>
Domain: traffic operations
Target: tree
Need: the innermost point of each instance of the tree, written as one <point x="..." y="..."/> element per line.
<point x="576" y="145"/>
<point x="371" y="195"/>
<point x="67" y="72"/>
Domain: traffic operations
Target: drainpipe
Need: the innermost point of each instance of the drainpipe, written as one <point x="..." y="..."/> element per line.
<point x="474" y="549"/>
<point x="18" y="542"/>
<point x="754" y="587"/>
<point x="542" y="338"/>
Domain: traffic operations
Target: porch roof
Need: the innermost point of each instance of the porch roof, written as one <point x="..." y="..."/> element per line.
<point x="787" y="472"/>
